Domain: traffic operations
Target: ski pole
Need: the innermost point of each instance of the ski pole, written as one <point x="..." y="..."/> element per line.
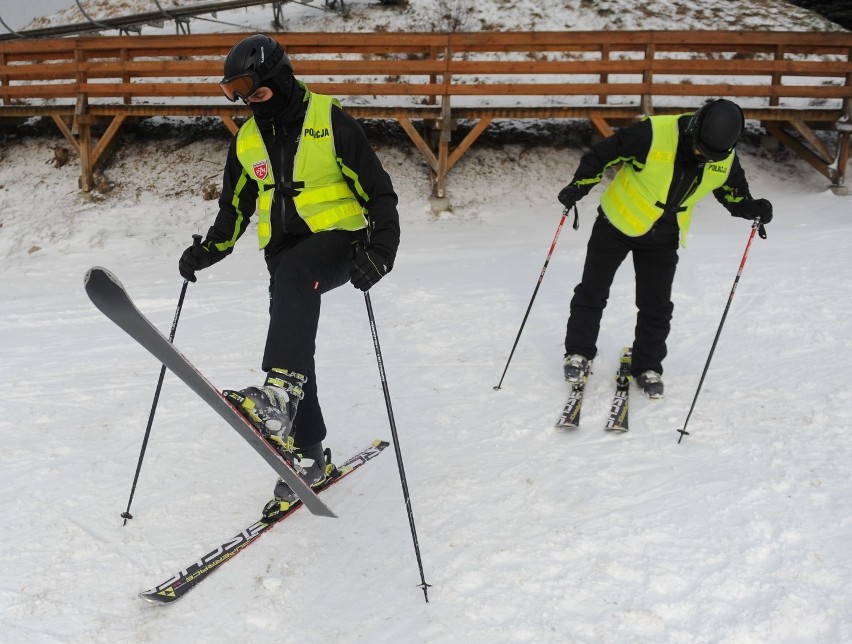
<point x="196" y="240"/>
<point x="535" y="292"/>
<point x="402" y="478"/>
<point x="756" y="225"/>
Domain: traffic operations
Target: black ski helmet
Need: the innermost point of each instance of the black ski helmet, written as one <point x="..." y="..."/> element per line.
<point x="250" y="62"/>
<point x="715" y="129"/>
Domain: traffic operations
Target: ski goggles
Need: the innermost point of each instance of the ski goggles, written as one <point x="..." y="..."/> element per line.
<point x="707" y="155"/>
<point x="241" y="86"/>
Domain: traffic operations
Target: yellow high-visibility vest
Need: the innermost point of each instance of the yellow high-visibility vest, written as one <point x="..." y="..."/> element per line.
<point x="635" y="198"/>
<point x="325" y="201"/>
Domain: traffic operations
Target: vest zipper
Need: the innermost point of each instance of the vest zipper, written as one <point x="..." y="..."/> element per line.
<point x="687" y="193"/>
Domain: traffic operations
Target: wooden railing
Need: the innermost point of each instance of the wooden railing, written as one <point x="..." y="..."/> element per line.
<point x="798" y="85"/>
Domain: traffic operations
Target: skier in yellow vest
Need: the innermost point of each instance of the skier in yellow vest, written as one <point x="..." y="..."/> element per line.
<point x="326" y="214"/>
<point x="669" y="164"/>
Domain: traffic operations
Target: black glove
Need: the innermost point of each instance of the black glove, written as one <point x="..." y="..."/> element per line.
<point x="368" y="267"/>
<point x="197" y="257"/>
<point x="570" y="195"/>
<point x="753" y="208"/>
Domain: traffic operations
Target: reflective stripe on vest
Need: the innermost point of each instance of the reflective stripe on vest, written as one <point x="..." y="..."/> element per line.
<point x="326" y="202"/>
<point x="631" y="200"/>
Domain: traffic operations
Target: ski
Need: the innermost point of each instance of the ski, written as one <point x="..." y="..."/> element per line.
<point x="570" y="417"/>
<point x="617" y="420"/>
<point x="108" y="295"/>
<point x="181" y="583"/>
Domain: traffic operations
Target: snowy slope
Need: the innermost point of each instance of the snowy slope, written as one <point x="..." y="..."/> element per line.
<point x="738" y="534"/>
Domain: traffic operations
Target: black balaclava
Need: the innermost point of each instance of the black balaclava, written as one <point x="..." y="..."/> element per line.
<point x="286" y="104"/>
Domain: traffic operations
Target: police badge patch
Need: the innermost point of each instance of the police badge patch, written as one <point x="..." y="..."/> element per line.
<point x="260" y="170"/>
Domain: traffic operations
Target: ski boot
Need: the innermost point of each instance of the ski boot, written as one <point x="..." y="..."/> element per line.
<point x="651" y="384"/>
<point x="313" y="465"/>
<point x="576" y="368"/>
<point x="272" y="407"/>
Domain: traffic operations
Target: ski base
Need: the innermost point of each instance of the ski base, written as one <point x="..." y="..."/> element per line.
<point x="617" y="421"/>
<point x="181" y="583"/>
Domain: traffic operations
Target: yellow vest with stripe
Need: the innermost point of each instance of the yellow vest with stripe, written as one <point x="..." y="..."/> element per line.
<point x="326" y="202"/>
<point x="635" y="198"/>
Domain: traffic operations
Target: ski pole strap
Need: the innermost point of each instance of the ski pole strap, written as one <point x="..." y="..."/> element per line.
<point x="761" y="229"/>
<point x="576" y="225"/>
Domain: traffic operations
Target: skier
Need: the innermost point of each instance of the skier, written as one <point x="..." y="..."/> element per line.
<point x="669" y="164"/>
<point x="326" y="215"/>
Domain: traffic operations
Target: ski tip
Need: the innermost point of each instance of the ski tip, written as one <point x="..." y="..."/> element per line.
<point x="380" y="443"/>
<point x="158" y="598"/>
<point x="97" y="274"/>
<point x="95" y="271"/>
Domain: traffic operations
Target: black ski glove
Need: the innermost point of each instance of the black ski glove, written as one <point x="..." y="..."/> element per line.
<point x="368" y="267"/>
<point x="753" y="208"/>
<point x="570" y="195"/>
<point x="198" y="257"/>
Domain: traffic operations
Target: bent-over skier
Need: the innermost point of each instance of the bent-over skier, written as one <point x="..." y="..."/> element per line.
<point x="669" y="164"/>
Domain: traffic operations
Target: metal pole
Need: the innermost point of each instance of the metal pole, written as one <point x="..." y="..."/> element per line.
<point x="402" y="478"/>
<point x="756" y="225"/>
<point x="196" y="240"/>
<point x="535" y="292"/>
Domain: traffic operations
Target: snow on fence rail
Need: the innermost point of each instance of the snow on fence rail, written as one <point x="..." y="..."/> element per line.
<point x="795" y="83"/>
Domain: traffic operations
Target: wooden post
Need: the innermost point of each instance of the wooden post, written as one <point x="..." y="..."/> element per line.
<point x="646" y="104"/>
<point x="4" y="80"/>
<point x="84" y="144"/>
<point x="604" y="78"/>
<point x="845" y="132"/>
<point x="125" y="77"/>
<point x="439" y="186"/>
<point x="433" y="78"/>
<point x="776" y="76"/>
<point x="847" y="102"/>
<point x="82" y="127"/>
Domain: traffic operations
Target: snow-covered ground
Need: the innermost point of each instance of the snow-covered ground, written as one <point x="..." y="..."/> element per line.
<point x="741" y="533"/>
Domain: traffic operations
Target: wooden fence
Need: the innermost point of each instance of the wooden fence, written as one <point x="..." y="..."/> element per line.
<point x="798" y="85"/>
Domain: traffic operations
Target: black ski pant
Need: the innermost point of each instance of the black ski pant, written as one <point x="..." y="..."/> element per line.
<point x="654" y="262"/>
<point x="299" y="274"/>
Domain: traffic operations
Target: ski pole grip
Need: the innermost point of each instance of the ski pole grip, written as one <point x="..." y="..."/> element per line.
<point x="196" y="241"/>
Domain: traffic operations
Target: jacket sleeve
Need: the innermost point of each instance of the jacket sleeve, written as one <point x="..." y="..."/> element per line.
<point x="735" y="190"/>
<point x="369" y="181"/>
<point x="627" y="145"/>
<point x="236" y="204"/>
